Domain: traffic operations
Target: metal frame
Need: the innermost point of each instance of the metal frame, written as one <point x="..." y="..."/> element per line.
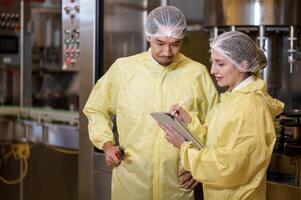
<point x="87" y="80"/>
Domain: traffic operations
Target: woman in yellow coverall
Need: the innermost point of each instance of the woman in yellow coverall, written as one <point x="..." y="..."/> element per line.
<point x="238" y="133"/>
<point x="133" y="88"/>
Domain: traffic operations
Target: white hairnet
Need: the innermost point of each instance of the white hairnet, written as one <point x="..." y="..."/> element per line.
<point x="241" y="50"/>
<point x="165" y="21"/>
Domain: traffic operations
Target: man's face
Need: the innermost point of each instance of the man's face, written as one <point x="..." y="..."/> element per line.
<point x="164" y="49"/>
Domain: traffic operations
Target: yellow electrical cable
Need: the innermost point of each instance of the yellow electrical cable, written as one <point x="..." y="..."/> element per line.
<point x="23" y="175"/>
<point x="65" y="151"/>
<point x="21" y="152"/>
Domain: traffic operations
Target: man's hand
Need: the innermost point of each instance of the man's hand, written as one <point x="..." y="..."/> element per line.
<point x="186" y="179"/>
<point x="113" y="154"/>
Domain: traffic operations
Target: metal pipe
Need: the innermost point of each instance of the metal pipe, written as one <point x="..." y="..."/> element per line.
<point x="213" y="33"/>
<point x="145" y="4"/>
<point x="263" y="44"/>
<point x="164" y="2"/>
<point x="22" y="29"/>
<point x="22" y="74"/>
<point x="291" y="49"/>
<point x="262" y="38"/>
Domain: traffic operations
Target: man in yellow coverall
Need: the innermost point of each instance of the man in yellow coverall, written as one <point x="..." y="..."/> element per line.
<point x="133" y="88"/>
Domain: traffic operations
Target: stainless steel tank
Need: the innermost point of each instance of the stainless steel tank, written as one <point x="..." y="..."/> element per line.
<point x="252" y="12"/>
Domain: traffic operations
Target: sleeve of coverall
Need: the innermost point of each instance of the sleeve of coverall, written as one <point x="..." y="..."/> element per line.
<point x="234" y="162"/>
<point x="101" y="106"/>
<point x="196" y="128"/>
<point x="211" y="98"/>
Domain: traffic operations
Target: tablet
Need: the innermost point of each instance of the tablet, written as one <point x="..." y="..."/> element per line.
<point x="166" y="118"/>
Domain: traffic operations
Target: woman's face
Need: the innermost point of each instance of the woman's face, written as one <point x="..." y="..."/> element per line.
<point x="226" y="74"/>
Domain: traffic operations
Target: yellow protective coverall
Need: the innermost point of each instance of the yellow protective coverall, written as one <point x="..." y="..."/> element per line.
<point x="132" y="88"/>
<point x="239" y="136"/>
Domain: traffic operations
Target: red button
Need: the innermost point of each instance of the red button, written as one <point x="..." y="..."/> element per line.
<point x="70" y="61"/>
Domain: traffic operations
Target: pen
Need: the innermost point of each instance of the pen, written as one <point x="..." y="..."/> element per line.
<point x="180" y="105"/>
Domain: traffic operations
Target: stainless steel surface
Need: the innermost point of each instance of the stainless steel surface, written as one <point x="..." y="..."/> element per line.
<point x="56" y="128"/>
<point x="33" y="131"/>
<point x="281" y="83"/>
<point x="277" y="191"/>
<point x="261" y="38"/>
<point x="87" y="80"/>
<point x="285" y="169"/>
<point x="70" y="34"/>
<point x="284" y="178"/>
<point x="123" y="29"/>
<point x="61" y="136"/>
<point x="25" y="55"/>
<point x="7" y="129"/>
<point x="192" y="9"/>
<point x="27" y="131"/>
<point x="102" y="178"/>
<point x="252" y="12"/>
<point x="292" y="39"/>
<point x="40" y="114"/>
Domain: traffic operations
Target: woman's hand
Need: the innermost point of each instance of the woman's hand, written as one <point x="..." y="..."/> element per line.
<point x="172" y="135"/>
<point x="181" y="114"/>
<point x="113" y="154"/>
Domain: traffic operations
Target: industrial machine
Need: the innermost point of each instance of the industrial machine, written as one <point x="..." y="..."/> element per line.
<point x="39" y="100"/>
<point x="10" y="51"/>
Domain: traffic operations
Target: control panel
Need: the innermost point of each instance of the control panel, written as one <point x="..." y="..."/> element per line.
<point x="10" y="32"/>
<point x="9" y="21"/>
<point x="70" y="34"/>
